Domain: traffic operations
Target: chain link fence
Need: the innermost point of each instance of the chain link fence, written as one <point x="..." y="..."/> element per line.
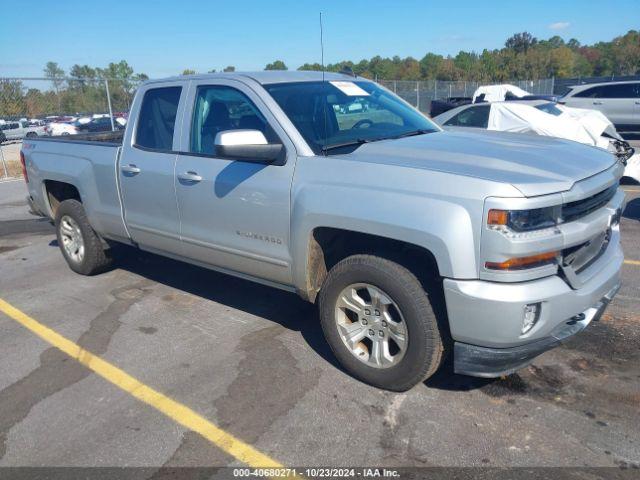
<point x="31" y="106"/>
<point x="562" y="84"/>
<point x="38" y="98"/>
<point x="421" y="93"/>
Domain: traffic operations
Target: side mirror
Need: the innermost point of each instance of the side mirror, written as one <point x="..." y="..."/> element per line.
<point x="247" y="145"/>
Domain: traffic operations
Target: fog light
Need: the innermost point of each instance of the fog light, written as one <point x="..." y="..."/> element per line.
<point x="531" y="315"/>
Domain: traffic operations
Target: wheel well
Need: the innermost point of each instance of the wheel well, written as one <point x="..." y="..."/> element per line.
<point x="58" y="192"/>
<point x="328" y="246"/>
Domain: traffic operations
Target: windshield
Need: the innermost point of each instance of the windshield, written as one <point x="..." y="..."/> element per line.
<point x="330" y="115"/>
<point x="550" y="108"/>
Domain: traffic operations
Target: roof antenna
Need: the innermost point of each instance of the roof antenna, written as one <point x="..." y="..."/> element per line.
<point x="324" y="103"/>
<point x="321" y="47"/>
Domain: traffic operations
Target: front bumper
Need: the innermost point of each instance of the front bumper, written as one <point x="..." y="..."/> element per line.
<point x="495" y="362"/>
<point x="486" y="318"/>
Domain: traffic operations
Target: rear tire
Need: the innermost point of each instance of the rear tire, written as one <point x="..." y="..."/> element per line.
<point x="81" y="247"/>
<point x="374" y="282"/>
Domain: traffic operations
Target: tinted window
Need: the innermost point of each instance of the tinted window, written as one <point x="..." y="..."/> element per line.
<point x="621" y="90"/>
<point x="219" y="108"/>
<point x="471" y="117"/>
<point x="330" y="114"/>
<point x="594" y="92"/>
<point x="549" y="108"/>
<point x="157" y="118"/>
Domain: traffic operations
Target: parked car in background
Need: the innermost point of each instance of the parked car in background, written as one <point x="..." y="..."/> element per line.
<point x="505" y="91"/>
<point x="545" y="118"/>
<point x="440" y="106"/>
<point x="619" y="101"/>
<point x="488" y="93"/>
<point x="20" y="129"/>
<point x="100" y="124"/>
<point x="55" y="129"/>
<point x="416" y="243"/>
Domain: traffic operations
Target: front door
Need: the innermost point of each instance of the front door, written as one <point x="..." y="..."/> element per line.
<point x="234" y="214"/>
<point x="146" y="170"/>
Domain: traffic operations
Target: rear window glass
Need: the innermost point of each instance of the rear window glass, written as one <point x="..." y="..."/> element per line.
<point x="157" y="118"/>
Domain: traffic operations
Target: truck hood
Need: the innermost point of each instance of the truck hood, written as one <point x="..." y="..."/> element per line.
<point x="534" y="165"/>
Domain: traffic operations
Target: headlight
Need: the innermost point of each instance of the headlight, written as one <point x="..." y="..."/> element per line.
<point x="522" y="220"/>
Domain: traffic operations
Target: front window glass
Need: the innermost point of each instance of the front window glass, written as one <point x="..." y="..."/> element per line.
<point x="595" y="92"/>
<point x="332" y="114"/>
<point x="471" y="117"/>
<point x="219" y="108"/>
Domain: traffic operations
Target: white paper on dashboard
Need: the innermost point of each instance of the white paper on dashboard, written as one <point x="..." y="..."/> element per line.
<point x="350" y="89"/>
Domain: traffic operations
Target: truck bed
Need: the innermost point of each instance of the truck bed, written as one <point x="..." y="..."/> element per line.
<point x="86" y="161"/>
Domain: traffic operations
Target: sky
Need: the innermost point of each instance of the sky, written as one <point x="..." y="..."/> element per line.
<point x="163" y="37"/>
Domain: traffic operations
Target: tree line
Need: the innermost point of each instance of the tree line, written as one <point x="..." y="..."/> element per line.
<point x="523" y="56"/>
<point x="81" y="90"/>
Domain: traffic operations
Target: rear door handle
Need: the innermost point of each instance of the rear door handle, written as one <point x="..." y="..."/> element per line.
<point x="597" y="103"/>
<point x="191" y="177"/>
<point x="130" y="169"/>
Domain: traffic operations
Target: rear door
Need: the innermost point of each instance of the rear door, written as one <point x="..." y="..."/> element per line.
<point x="234" y="214"/>
<point x="146" y="167"/>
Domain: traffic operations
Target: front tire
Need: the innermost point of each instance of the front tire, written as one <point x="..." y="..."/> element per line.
<point x="380" y="322"/>
<point x="81" y="247"/>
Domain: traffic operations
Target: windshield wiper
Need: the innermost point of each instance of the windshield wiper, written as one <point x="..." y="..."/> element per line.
<point x="353" y="143"/>
<point x="413" y="133"/>
<point x="360" y="141"/>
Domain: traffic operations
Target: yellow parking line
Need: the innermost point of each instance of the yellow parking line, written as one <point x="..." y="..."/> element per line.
<point x="121" y="379"/>
<point x="632" y="262"/>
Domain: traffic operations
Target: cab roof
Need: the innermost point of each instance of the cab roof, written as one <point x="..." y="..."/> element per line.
<point x="267" y="77"/>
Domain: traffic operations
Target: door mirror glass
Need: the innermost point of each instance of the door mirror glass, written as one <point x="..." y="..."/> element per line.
<point x="247" y="145"/>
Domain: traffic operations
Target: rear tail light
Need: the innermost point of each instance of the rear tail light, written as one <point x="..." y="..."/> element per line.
<point x="24" y="167"/>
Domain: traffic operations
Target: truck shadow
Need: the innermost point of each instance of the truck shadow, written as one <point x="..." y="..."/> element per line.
<point x="274" y="305"/>
<point x="283" y="308"/>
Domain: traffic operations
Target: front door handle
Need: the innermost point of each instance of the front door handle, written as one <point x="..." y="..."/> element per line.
<point x="191" y="177"/>
<point x="131" y="169"/>
<point x="597" y="103"/>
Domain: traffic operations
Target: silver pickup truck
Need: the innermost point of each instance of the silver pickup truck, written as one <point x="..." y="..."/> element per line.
<point x="417" y="244"/>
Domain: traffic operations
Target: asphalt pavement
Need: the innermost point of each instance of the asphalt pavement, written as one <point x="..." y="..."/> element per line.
<point x="252" y="361"/>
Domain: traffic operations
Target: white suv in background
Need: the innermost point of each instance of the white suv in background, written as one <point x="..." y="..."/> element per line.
<point x="619" y="101"/>
<point x="17" y="130"/>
